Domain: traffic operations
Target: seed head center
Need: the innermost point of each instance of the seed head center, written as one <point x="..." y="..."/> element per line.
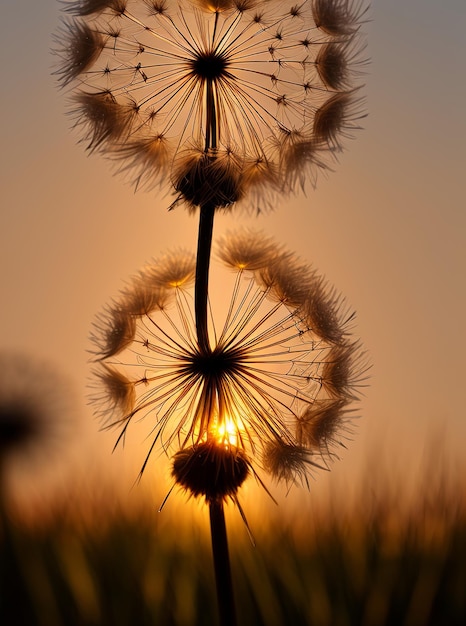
<point x="214" y="364"/>
<point x="209" y="65"/>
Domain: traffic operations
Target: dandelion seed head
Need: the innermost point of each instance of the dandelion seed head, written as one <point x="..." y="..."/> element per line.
<point x="145" y="154"/>
<point x="326" y="313"/>
<point x="253" y="388"/>
<point x="215" y="96"/>
<point x="84" y="46"/>
<point x="303" y="158"/>
<point x="289" y="280"/>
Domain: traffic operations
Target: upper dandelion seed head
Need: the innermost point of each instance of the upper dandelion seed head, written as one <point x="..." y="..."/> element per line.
<point x="245" y="83"/>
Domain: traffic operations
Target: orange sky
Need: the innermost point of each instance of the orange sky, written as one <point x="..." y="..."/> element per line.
<point x="387" y="227"/>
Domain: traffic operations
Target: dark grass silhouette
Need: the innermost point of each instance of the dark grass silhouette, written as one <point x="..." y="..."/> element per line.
<point x="376" y="563"/>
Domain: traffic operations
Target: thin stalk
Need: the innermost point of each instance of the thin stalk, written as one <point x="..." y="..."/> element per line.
<point x="225" y="599"/>
<point x="201" y="289"/>
<point x="211" y="118"/>
<point x="224" y="586"/>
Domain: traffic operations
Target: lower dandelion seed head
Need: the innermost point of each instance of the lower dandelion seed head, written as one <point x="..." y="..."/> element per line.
<point x="270" y="393"/>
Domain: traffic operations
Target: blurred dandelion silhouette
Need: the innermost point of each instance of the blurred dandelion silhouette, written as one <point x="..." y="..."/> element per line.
<point x="36" y="412"/>
<point x="272" y="391"/>
<point x="229" y="100"/>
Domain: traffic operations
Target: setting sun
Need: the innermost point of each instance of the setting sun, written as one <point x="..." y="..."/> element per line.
<point x="228" y="431"/>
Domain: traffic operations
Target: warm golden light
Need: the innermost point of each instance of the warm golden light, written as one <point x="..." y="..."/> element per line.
<point x="227" y="432"/>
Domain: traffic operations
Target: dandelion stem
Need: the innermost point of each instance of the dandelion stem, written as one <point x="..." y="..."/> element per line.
<point x="204" y="245"/>
<point x="211" y="115"/>
<point x="226" y="604"/>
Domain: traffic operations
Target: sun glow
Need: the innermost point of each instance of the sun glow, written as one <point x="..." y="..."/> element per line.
<point x="228" y="432"/>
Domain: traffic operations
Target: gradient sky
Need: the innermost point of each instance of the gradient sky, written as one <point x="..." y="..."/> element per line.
<point x="387" y="228"/>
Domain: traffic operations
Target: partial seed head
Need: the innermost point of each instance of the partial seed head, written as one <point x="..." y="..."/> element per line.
<point x="344" y="370"/>
<point x="332" y="65"/>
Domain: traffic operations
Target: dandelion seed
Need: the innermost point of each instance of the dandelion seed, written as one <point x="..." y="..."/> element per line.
<point x="245" y="250"/>
<point x="288" y="462"/>
<point x="251" y="399"/>
<point x="143" y="299"/>
<point x="118" y="394"/>
<point x="322" y="423"/>
<point x="332" y="65"/>
<point x="109" y="120"/>
<point x="338" y="375"/>
<point x="338" y="17"/>
<point x="218" y="97"/>
<point x="174" y="270"/>
<point x="336" y="117"/>
<point x="114" y="330"/>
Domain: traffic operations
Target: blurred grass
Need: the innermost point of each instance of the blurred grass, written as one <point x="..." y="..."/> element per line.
<point x="384" y="559"/>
